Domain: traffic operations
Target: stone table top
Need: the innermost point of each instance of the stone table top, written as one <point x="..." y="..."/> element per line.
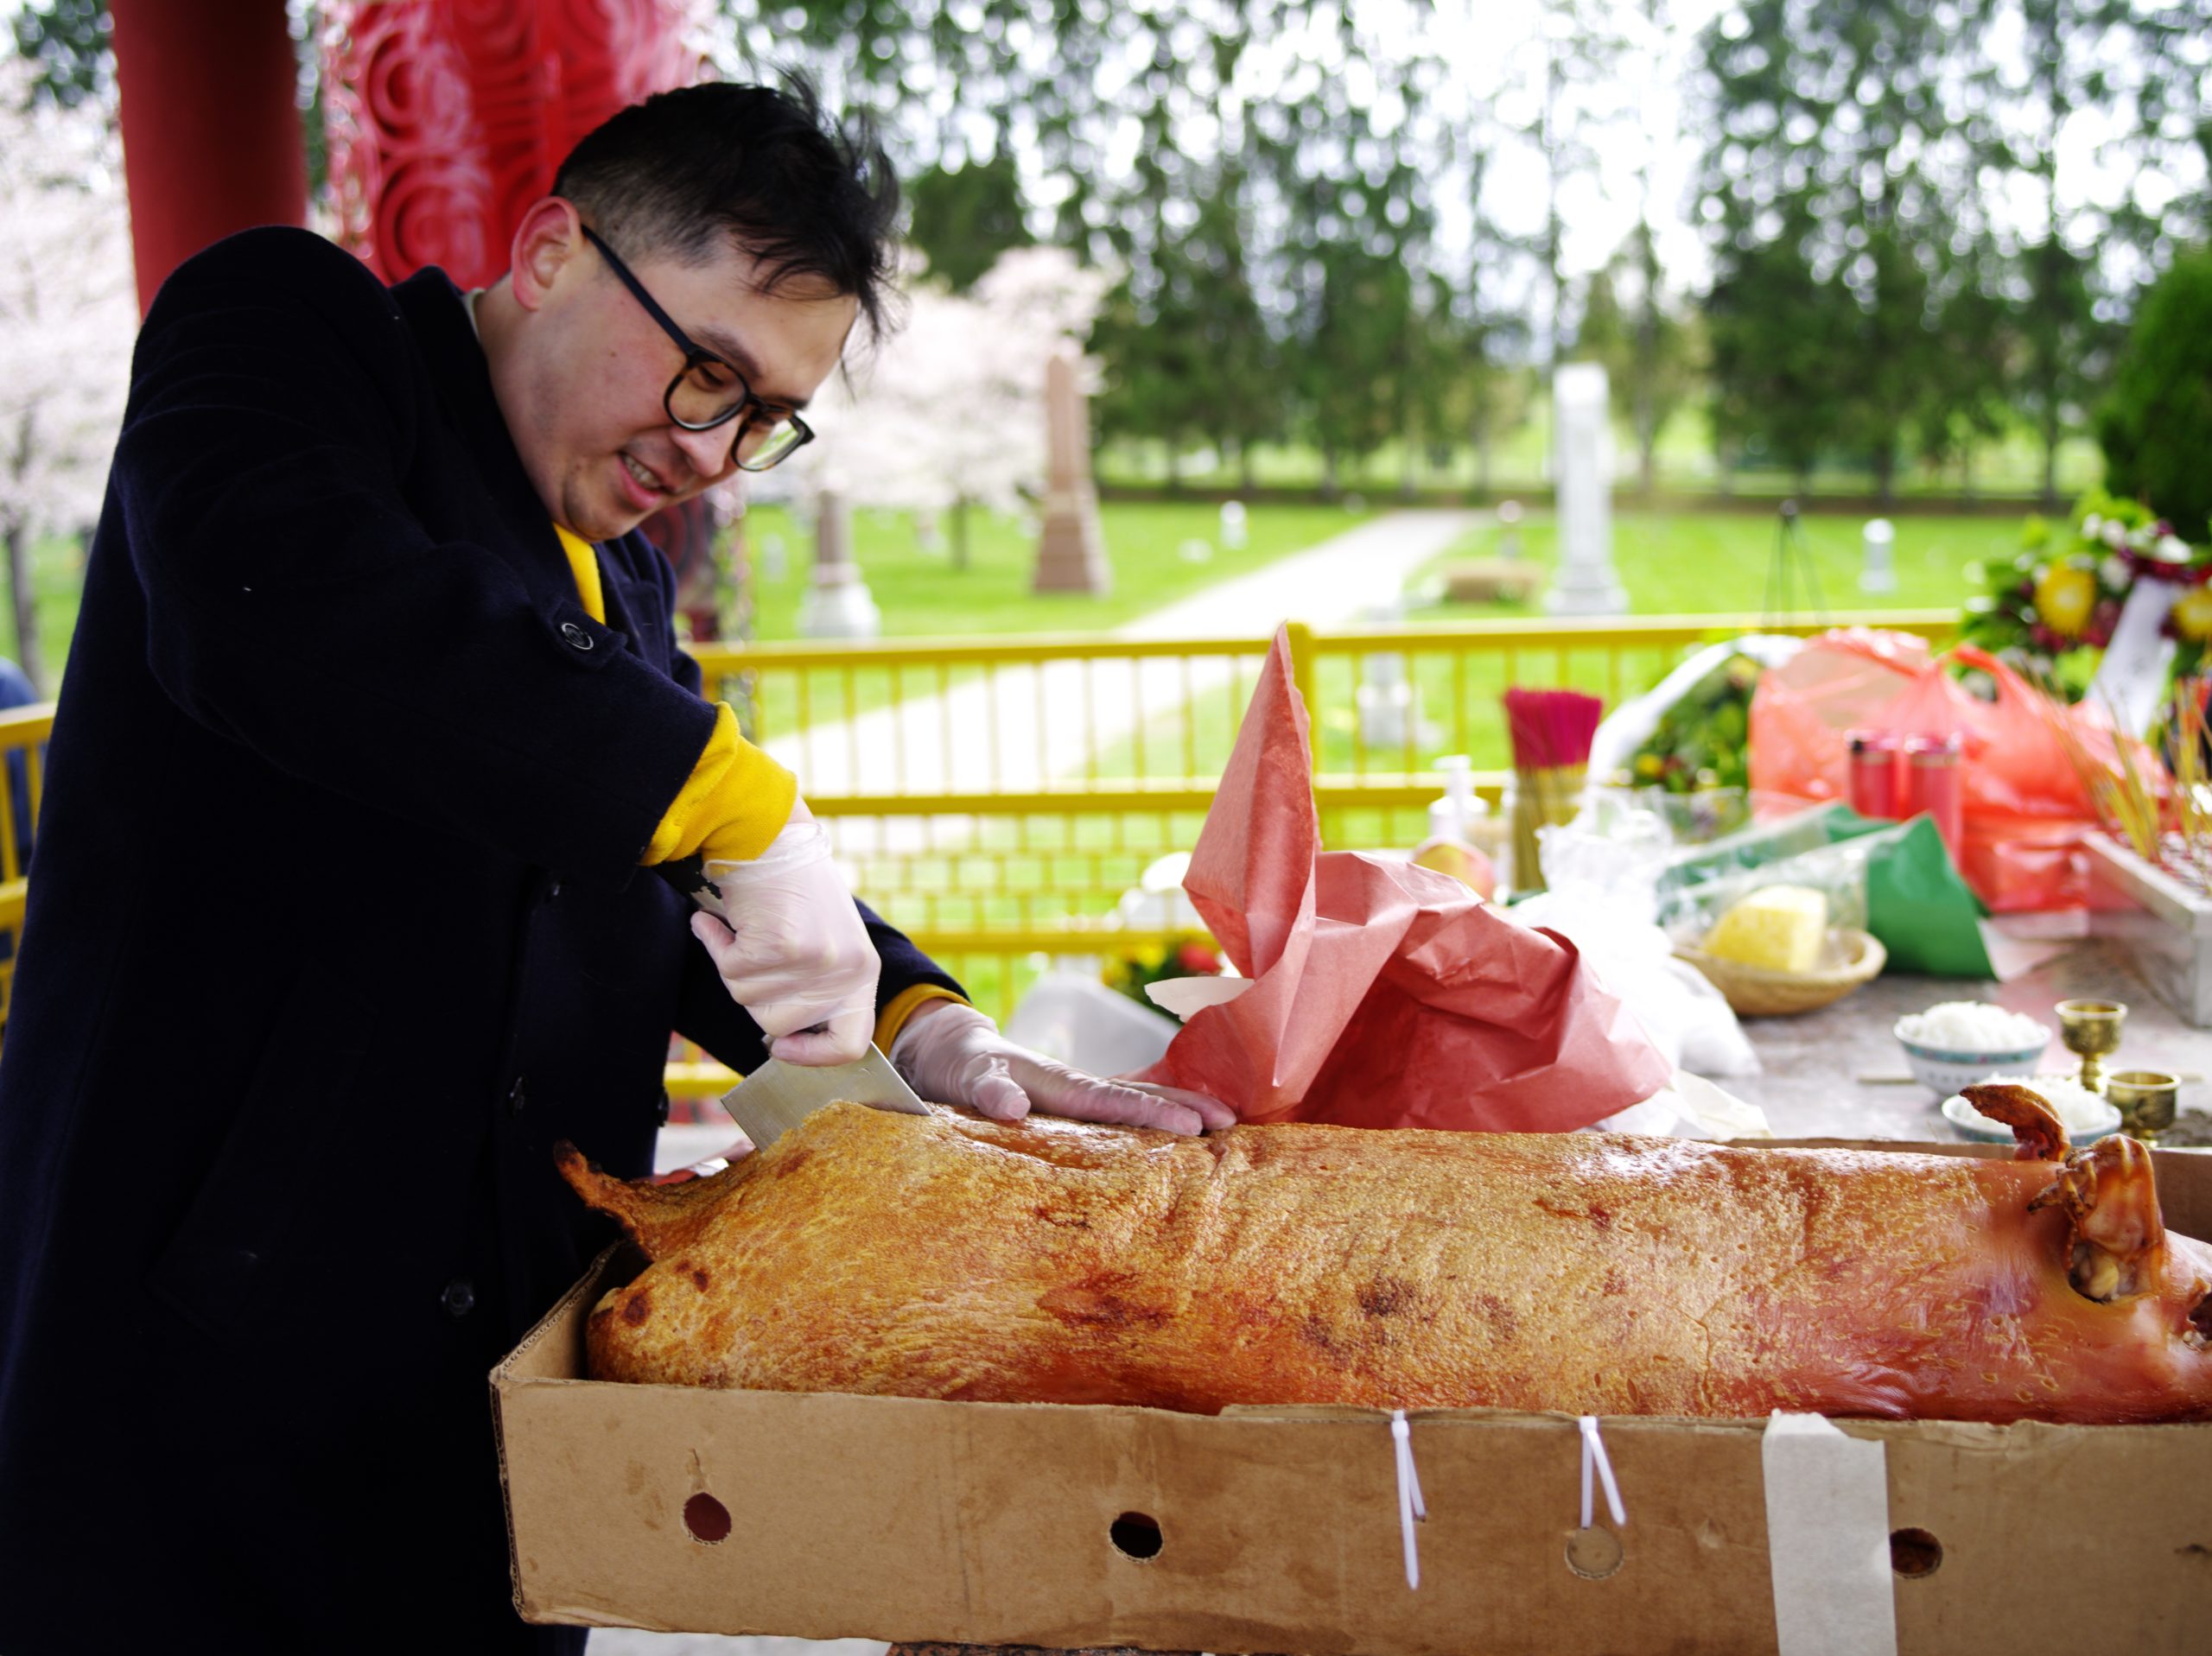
<point x="1839" y="1072"/>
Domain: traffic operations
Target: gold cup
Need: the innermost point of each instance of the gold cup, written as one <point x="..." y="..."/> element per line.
<point x="2090" y="1030"/>
<point x="2145" y="1099"/>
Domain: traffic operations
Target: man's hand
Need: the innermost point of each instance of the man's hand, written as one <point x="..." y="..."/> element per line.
<point x="955" y="1055"/>
<point x="794" y="953"/>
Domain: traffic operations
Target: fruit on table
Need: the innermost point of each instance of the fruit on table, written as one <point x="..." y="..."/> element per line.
<point x="1462" y="862"/>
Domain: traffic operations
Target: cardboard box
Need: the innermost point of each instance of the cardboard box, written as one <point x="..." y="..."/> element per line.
<point x="1277" y="1529"/>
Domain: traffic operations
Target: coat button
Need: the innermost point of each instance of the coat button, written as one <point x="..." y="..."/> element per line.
<point x="577" y="637"/>
<point x="553" y="891"/>
<point x="459" y="1298"/>
<point x="516" y="1098"/>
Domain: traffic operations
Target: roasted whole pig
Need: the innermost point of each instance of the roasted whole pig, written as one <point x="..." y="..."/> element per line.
<point x="952" y="1257"/>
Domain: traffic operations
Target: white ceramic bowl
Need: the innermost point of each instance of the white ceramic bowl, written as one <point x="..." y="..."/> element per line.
<point x="1943" y="1070"/>
<point x="1962" y="1115"/>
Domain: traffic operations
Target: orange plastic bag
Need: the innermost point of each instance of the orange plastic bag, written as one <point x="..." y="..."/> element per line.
<point x="2025" y="805"/>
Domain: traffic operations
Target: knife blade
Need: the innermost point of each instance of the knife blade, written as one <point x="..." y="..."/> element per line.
<point x="778" y="1096"/>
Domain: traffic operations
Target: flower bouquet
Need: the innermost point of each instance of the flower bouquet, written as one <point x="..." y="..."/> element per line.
<point x="1702" y="740"/>
<point x="1188" y="954"/>
<point x="2050" y="608"/>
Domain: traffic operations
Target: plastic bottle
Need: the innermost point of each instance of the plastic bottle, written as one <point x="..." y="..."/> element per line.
<point x="1456" y="828"/>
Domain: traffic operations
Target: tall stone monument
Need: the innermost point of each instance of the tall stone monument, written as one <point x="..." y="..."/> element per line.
<point x="837" y="603"/>
<point x="1071" y="550"/>
<point x="1582" y="479"/>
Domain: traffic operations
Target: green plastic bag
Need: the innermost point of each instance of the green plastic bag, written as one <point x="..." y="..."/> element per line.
<point x="1896" y="879"/>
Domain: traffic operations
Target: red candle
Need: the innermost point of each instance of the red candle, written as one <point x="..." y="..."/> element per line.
<point x="1874" y="773"/>
<point x="1932" y="785"/>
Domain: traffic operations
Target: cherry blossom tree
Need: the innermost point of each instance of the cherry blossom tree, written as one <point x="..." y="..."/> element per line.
<point x="949" y="412"/>
<point x="68" y="316"/>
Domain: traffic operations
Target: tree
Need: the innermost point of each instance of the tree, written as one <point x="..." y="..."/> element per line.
<point x="1649" y="352"/>
<point x="1843" y="143"/>
<point x="1187" y="353"/>
<point x="950" y="412"/>
<point x="1778" y="332"/>
<point x="2157" y="427"/>
<point x="2067" y="73"/>
<point x="1577" y="46"/>
<point x="965" y="217"/>
<point x="68" y="314"/>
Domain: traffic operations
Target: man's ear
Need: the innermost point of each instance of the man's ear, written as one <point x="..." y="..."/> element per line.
<point x="547" y="241"/>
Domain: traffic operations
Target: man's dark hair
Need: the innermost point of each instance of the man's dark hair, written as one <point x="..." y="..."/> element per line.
<point x="687" y="172"/>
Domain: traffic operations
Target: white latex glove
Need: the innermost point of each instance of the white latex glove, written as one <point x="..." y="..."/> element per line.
<point x="955" y="1055"/>
<point x="793" y="952"/>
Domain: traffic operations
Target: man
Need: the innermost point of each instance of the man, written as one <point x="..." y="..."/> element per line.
<point x="373" y="715"/>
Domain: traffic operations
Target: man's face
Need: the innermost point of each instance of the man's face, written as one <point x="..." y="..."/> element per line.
<point x="583" y="383"/>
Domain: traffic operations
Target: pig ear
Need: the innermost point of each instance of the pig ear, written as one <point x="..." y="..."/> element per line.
<point x="660" y="1218"/>
<point x="2116" y="1237"/>
<point x="2040" y="1135"/>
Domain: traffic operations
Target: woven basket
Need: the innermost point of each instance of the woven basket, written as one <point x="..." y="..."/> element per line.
<point x="1760" y="991"/>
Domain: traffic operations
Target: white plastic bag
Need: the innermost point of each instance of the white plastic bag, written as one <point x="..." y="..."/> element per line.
<point x="1088" y="1026"/>
<point x="1601" y="898"/>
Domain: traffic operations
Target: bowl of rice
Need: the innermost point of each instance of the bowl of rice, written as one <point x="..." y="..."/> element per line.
<point x="1956" y="1042"/>
<point x="2087" y="1118"/>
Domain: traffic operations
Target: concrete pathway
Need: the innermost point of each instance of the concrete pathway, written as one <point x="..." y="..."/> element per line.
<point x="1016" y="729"/>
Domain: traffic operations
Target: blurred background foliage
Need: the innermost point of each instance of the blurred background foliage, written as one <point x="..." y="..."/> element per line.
<point x="1343" y="235"/>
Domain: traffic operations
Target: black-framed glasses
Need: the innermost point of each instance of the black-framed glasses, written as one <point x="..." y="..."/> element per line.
<point x="708" y="392"/>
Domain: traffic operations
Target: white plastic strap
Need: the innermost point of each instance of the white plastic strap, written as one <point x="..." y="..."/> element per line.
<point x="1410" y="1509"/>
<point x="1593" y="1455"/>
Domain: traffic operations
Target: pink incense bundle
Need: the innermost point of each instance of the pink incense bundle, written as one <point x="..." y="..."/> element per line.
<point x="1551" y="731"/>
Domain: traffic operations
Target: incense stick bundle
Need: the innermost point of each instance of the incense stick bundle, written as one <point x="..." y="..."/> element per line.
<point x="1551" y="732"/>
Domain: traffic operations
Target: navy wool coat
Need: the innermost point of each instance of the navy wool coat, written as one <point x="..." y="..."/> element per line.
<point x="337" y="928"/>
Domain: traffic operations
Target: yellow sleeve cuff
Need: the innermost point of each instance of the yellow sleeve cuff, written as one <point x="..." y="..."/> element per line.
<point x="736" y="800"/>
<point x="901" y="1007"/>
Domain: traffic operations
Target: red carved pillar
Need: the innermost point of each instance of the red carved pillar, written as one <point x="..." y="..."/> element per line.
<point x="208" y="95"/>
<point x="448" y="118"/>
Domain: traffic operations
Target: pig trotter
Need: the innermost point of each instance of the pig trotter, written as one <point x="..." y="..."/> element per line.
<point x="2117" y="1239"/>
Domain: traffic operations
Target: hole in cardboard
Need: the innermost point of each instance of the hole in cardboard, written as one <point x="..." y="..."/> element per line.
<point x="706" y="1518"/>
<point x="1136" y="1534"/>
<point x="1593" y="1554"/>
<point x="1915" y="1553"/>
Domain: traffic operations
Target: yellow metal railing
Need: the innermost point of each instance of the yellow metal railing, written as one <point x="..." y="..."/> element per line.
<point x="1105" y="722"/>
<point x="998" y="798"/>
<point x="23" y="731"/>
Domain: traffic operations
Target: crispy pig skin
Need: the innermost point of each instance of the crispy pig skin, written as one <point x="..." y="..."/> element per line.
<point x="1045" y="1261"/>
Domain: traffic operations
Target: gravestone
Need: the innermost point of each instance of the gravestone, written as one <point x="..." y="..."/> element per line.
<point x="1877" y="572"/>
<point x="1071" y="550"/>
<point x="1389" y="701"/>
<point x="1234" y="530"/>
<point x="1582" y="479"/>
<point x="837" y="603"/>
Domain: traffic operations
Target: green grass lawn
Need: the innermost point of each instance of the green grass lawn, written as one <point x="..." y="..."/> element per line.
<point x="1704" y="563"/>
<point x="57" y="579"/>
<point x="1686" y="564"/>
<point x="2009" y="463"/>
<point x="1154" y="551"/>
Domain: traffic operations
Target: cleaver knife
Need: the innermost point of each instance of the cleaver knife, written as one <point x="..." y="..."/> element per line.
<point x="778" y="1096"/>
